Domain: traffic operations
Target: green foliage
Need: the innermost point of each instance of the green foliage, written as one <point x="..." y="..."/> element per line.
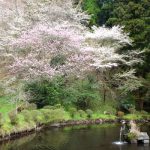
<point x="133" y="117"/>
<point x="37" y="117"/>
<point x="89" y="113"/>
<point x="1" y="119"/>
<point x="131" y="136"/>
<point x="64" y="91"/>
<point x="91" y="6"/>
<point x="120" y="114"/>
<point x="5" y="105"/>
<point x="48" y="107"/>
<point x="45" y="92"/>
<point x="57" y="106"/>
<point x="58" y="114"/>
<point x="86" y="94"/>
<point x="51" y="115"/>
<point x="133" y="15"/>
<point x="47" y="114"/>
<point x="127" y="102"/>
<point x="31" y="106"/>
<point x="5" y="130"/>
<point x="107" y="108"/>
<point x="27" y="115"/>
<point x="82" y="113"/>
<point x="103" y="116"/>
<point x="144" y="112"/>
<point x="72" y="111"/>
<point x="13" y="117"/>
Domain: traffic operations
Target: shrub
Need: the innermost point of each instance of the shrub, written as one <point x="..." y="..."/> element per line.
<point x="89" y="113"/>
<point x="107" y="109"/>
<point x="120" y="113"/>
<point x="48" y="107"/>
<point x="45" y="92"/>
<point x="37" y="116"/>
<point x="32" y="106"/>
<point x="5" y="129"/>
<point x="72" y="111"/>
<point x="132" y="136"/>
<point x="13" y="118"/>
<point x="57" y="114"/>
<point x="1" y="119"/>
<point x="53" y="115"/>
<point x="27" y="115"/>
<point x="46" y="114"/>
<point x="82" y="113"/>
<point x="20" y="108"/>
<point x="133" y="117"/>
<point x="132" y="110"/>
<point x="144" y="112"/>
<point x="57" y="106"/>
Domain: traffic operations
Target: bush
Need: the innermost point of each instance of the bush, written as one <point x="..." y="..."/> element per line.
<point x="47" y="114"/>
<point x="57" y="106"/>
<point x="32" y="106"/>
<point x="120" y="114"/>
<point x="82" y="113"/>
<point x="107" y="109"/>
<point x="132" y="136"/>
<point x="133" y="117"/>
<point x="45" y="92"/>
<point x="20" y="108"/>
<point x="144" y="112"/>
<point x="89" y="113"/>
<point x="37" y="116"/>
<point x="132" y="110"/>
<point x="57" y="114"/>
<point x="72" y="111"/>
<point x="53" y="115"/>
<point x="27" y="115"/>
<point x="48" y="107"/>
<point x="13" y="117"/>
<point x="1" y="119"/>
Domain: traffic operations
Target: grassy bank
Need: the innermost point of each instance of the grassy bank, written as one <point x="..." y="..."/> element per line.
<point x="30" y="117"/>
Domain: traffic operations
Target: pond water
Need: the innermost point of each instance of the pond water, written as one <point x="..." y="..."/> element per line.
<point x="95" y="137"/>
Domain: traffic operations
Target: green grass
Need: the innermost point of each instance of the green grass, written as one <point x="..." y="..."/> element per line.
<point x="29" y="118"/>
<point x="103" y="116"/>
<point x="94" y="116"/>
<point x="6" y="105"/>
<point x="136" y="116"/>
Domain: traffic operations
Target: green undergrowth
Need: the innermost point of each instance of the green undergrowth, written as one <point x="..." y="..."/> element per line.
<point x="6" y="105"/>
<point x="137" y="117"/>
<point x="29" y="117"/>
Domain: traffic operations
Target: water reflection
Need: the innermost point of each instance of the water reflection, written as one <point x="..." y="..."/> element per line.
<point x="99" y="137"/>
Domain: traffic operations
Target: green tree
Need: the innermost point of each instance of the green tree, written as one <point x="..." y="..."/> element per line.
<point x="134" y="15"/>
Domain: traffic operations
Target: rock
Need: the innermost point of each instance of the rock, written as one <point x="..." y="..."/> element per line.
<point x="55" y="125"/>
<point x="143" y="136"/>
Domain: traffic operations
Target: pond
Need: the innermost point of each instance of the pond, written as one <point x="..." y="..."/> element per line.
<point x="95" y="137"/>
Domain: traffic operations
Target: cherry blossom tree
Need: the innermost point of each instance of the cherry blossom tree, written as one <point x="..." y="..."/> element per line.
<point x="38" y="31"/>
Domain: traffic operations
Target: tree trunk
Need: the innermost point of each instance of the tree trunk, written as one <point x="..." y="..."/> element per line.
<point x="141" y="104"/>
<point x="104" y="95"/>
<point x="140" y="101"/>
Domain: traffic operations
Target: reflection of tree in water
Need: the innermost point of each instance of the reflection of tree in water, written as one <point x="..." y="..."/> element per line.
<point x="49" y="140"/>
<point x="43" y="147"/>
<point x="74" y="138"/>
<point x="13" y="144"/>
<point x="52" y="140"/>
